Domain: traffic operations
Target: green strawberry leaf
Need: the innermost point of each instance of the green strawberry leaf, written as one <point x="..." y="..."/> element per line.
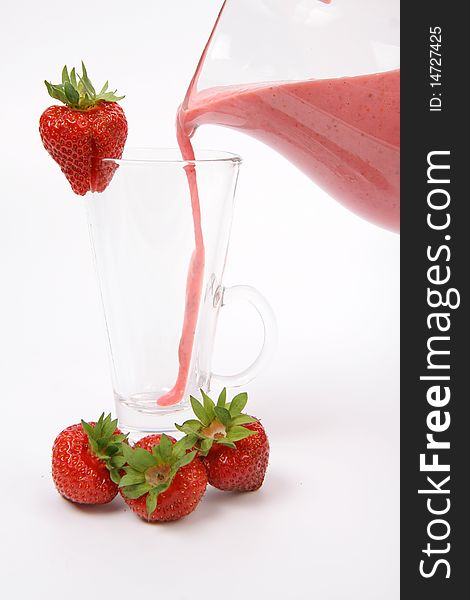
<point x="222" y="414"/>
<point x="140" y="459"/>
<point x="73" y="78"/>
<point x="71" y="93"/>
<point x="115" y="476"/>
<point x="199" y="411"/>
<point x="156" y="455"/>
<point x="208" y="406"/>
<point x="86" y="82"/>
<point x="127" y="452"/>
<point x="102" y="442"/>
<point x="65" y="75"/>
<point x="161" y="487"/>
<point x="136" y="491"/>
<point x="190" y="426"/>
<point x="238" y="404"/>
<point x="178" y="449"/>
<point x="238" y="432"/>
<point x="222" y="398"/>
<point x="165" y="447"/>
<point x="186" y="459"/>
<point x="117" y="462"/>
<point x="182" y="462"/>
<point x="78" y="91"/>
<point x="184" y="444"/>
<point x="109" y="427"/>
<point x="225" y="442"/>
<point x="56" y="92"/>
<point x="88" y="429"/>
<point x="97" y="430"/>
<point x="113" y="449"/>
<point x="205" y="446"/>
<point x="182" y="428"/>
<point x="189" y="440"/>
<point x="151" y="502"/>
<point x="153" y="495"/>
<point x="94" y="446"/>
<point x="110" y="97"/>
<point x="243" y="420"/>
<point x="132" y="477"/>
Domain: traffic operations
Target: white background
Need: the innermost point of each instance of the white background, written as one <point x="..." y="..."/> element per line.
<point x="325" y="524"/>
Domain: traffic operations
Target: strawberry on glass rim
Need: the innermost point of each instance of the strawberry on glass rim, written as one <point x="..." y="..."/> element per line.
<point x="91" y="126"/>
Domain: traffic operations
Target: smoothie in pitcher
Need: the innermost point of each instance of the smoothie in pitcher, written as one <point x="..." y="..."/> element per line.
<point x="344" y="133"/>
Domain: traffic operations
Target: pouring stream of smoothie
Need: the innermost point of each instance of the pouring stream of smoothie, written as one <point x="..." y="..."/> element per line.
<point x="194" y="279"/>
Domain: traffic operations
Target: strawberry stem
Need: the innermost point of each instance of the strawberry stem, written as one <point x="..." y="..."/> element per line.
<point x="220" y="423"/>
<point x="152" y="473"/>
<point x="78" y="92"/>
<point x="106" y="444"/>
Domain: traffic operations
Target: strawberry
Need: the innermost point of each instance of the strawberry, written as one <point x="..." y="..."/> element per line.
<point x="86" y="459"/>
<point x="163" y="482"/>
<point x="233" y="446"/>
<point x="88" y="128"/>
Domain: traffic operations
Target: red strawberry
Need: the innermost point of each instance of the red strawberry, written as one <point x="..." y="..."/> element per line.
<point x="163" y="482"/>
<point x="234" y="446"/>
<point x="85" y="461"/>
<point x="149" y="441"/>
<point x="239" y="469"/>
<point x="89" y="128"/>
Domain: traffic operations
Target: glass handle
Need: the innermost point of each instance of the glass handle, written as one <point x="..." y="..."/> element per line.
<point x="246" y="293"/>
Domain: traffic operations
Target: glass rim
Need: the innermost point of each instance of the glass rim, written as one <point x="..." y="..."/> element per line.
<point x="158" y="156"/>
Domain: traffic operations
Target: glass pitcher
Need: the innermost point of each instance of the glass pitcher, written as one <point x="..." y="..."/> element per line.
<point x="319" y="82"/>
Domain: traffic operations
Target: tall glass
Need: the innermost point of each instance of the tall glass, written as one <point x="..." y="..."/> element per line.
<point x="142" y="233"/>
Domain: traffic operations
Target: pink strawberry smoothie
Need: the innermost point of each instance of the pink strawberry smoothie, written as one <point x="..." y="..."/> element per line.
<point x="343" y="133"/>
